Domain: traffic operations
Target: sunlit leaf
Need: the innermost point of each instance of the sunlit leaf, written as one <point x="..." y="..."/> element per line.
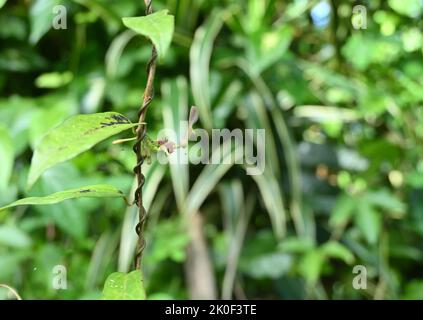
<point x="53" y="79"/>
<point x="44" y="119"/>
<point x="124" y="286"/>
<point x="158" y="27"/>
<point x="74" y="136"/>
<point x="41" y="16"/>
<point x="95" y="191"/>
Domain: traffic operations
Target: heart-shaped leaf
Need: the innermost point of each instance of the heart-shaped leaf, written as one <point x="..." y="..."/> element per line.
<point x="124" y="286"/>
<point x="72" y="137"/>
<point x="95" y="191"/>
<point x="158" y="27"/>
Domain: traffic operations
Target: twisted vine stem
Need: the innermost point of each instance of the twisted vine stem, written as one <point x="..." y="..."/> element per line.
<point x="141" y="133"/>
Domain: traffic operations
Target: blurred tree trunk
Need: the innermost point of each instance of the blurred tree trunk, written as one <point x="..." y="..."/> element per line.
<point x="199" y="272"/>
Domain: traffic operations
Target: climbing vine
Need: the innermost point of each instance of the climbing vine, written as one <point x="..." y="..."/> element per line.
<point x="82" y="132"/>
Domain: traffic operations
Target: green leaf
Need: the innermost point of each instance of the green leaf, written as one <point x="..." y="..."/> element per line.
<point x="324" y="114"/>
<point x="158" y="27"/>
<point x="362" y="50"/>
<point x="293" y="168"/>
<point x="273" y="47"/>
<point x="410" y="8"/>
<point x="226" y="104"/>
<point x="369" y="221"/>
<point x="175" y="102"/>
<point x="211" y="175"/>
<point x="95" y="191"/>
<point x="270" y="265"/>
<point x="199" y="56"/>
<point x="296" y="9"/>
<point x="41" y="16"/>
<point x="385" y="200"/>
<point x="2" y="3"/>
<point x="115" y="51"/>
<point x="124" y="286"/>
<point x="11" y="262"/>
<point x="414" y="179"/>
<point x="69" y="216"/>
<point x="237" y="214"/>
<point x="311" y="265"/>
<point x="267" y="182"/>
<point x="257" y="118"/>
<point x="53" y="79"/>
<point x="74" y="136"/>
<point x="296" y="245"/>
<point x="268" y="187"/>
<point x="232" y="198"/>
<point x="169" y="242"/>
<point x="334" y="249"/>
<point x="343" y="210"/>
<point x="14" y="237"/>
<point x="43" y="119"/>
<point x="6" y="157"/>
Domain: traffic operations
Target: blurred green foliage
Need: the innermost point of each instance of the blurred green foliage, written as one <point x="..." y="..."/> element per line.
<point x="342" y="109"/>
